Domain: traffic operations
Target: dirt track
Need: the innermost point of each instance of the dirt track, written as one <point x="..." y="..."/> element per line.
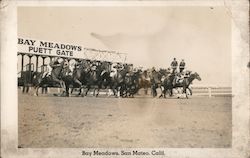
<point x="47" y="121"/>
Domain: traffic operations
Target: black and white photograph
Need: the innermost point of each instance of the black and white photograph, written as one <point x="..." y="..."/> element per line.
<point x="119" y="79"/>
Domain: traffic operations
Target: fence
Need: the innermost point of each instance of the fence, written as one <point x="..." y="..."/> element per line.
<point x="211" y="91"/>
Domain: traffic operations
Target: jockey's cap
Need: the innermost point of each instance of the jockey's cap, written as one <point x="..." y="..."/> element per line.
<point x="93" y="67"/>
<point x="60" y="60"/>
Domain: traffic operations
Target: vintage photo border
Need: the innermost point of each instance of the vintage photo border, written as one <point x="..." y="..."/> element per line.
<point x="238" y="10"/>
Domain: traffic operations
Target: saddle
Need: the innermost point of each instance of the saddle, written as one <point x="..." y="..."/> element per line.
<point x="178" y="81"/>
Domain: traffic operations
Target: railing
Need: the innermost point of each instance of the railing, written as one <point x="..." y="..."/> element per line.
<point x="211" y="91"/>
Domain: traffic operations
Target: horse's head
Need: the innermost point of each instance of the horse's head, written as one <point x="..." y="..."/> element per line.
<point x="196" y="76"/>
<point x="65" y="63"/>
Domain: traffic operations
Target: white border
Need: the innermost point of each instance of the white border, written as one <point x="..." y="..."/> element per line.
<point x="240" y="83"/>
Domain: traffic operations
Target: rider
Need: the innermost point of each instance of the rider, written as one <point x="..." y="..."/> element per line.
<point x="177" y="78"/>
<point x="187" y="74"/>
<point x="174" y="65"/>
<point x="47" y="71"/>
<point x="182" y="65"/>
<point x="55" y="63"/>
<point x="153" y="72"/>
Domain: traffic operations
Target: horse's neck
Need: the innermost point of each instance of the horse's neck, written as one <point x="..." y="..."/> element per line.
<point x="57" y="70"/>
<point x="190" y="79"/>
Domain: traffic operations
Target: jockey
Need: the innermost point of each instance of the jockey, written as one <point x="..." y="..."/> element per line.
<point x="56" y="62"/>
<point x="113" y="71"/>
<point x="120" y="66"/>
<point x="153" y="69"/>
<point x="47" y="71"/>
<point x="72" y="66"/>
<point x="169" y="70"/>
<point x="179" y="77"/>
<point x="187" y="74"/>
<point x="174" y="65"/>
<point x="182" y="65"/>
<point x="77" y="63"/>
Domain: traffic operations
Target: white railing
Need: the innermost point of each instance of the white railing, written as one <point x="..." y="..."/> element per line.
<point x="202" y="90"/>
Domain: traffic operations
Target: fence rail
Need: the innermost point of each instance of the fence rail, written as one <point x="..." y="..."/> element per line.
<point x="211" y="91"/>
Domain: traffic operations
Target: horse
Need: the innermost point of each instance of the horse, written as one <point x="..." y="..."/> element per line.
<point x="57" y="77"/>
<point x="119" y="81"/>
<point x="168" y="84"/>
<point x="103" y="79"/>
<point x="27" y="78"/>
<point x="144" y="81"/>
<point x="79" y="76"/>
<point x="187" y="81"/>
<point x="156" y="80"/>
<point x="132" y="83"/>
<point x="92" y="78"/>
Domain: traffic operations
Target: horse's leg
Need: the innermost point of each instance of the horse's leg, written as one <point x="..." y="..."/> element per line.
<point x="145" y="90"/>
<point x="67" y="90"/>
<point x="27" y="89"/>
<point x="72" y="89"/>
<point x="171" y="92"/>
<point x="154" y="91"/>
<point x="118" y="91"/>
<point x="63" y="85"/>
<point x="186" y="95"/>
<point x="98" y="89"/>
<point x="46" y="90"/>
<point x="122" y="89"/>
<point x="113" y="88"/>
<point x="80" y="86"/>
<point x="185" y="91"/>
<point x="94" y="91"/>
<point x="36" y="90"/>
<point x="88" y="87"/>
<point x="164" y="92"/>
<point x="114" y="91"/>
<point x="191" y="93"/>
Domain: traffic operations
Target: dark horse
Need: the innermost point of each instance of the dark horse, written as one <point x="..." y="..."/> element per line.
<point x="131" y="83"/>
<point x="144" y="81"/>
<point x="168" y="84"/>
<point x="104" y="78"/>
<point x="119" y="81"/>
<point x="156" y="80"/>
<point x="58" y="76"/>
<point x="79" y="76"/>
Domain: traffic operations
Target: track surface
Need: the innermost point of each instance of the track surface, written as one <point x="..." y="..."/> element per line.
<point x="75" y="122"/>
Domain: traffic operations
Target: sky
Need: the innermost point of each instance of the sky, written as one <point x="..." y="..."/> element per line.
<point x="151" y="36"/>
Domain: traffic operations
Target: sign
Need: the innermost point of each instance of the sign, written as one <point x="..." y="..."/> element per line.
<point x="45" y="48"/>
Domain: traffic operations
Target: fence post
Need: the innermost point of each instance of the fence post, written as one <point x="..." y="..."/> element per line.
<point x="209" y="92"/>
